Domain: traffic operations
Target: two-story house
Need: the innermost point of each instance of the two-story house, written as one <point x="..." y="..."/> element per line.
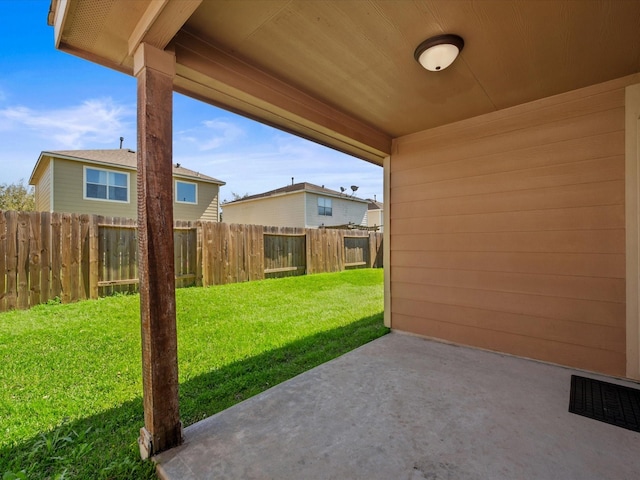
<point x="297" y="205"/>
<point x="103" y="182"/>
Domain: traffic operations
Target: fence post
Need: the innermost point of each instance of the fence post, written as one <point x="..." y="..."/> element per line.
<point x="35" y="259"/>
<point x="199" y="255"/>
<point x="12" y="260"/>
<point x="372" y="249"/>
<point x="45" y="256"/>
<point x="23" y="263"/>
<point x="56" y="255"/>
<point x="3" y="264"/>
<point x="93" y="257"/>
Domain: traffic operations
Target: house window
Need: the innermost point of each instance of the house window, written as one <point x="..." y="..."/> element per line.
<point x="324" y="206"/>
<point x="186" y="192"/>
<point x="106" y="185"/>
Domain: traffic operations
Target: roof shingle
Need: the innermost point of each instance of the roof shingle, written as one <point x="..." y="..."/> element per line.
<point x="124" y="157"/>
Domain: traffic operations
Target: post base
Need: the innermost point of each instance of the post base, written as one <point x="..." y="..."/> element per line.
<point x="145" y="442"/>
<point x="147" y="448"/>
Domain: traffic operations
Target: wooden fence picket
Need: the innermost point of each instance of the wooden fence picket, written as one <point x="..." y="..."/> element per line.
<point x="12" y="260"/>
<point x="3" y="263"/>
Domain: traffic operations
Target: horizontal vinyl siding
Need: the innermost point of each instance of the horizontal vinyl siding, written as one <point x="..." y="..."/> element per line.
<point x="344" y="211"/>
<point x="207" y="207"/>
<point x="375" y="219"/>
<point x="43" y="190"/>
<point x="508" y="231"/>
<point x="68" y="194"/>
<point x="278" y="211"/>
<point x="211" y="214"/>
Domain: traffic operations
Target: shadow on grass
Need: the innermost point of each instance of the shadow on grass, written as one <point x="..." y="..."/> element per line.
<point x="104" y="446"/>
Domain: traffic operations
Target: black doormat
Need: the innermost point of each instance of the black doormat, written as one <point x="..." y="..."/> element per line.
<point x="607" y="402"/>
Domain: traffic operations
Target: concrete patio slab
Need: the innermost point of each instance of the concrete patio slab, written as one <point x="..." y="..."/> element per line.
<point x="402" y="407"/>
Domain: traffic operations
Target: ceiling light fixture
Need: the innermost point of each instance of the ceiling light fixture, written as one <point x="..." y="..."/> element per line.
<point x="437" y="53"/>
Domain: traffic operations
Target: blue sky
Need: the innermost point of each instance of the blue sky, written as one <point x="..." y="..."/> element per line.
<point x="50" y="100"/>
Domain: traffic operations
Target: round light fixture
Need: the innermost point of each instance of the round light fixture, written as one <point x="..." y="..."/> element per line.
<point x="437" y="53"/>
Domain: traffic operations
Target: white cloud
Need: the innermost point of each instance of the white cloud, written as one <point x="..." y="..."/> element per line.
<point x="212" y="134"/>
<point x="256" y="167"/>
<point x="93" y="121"/>
<point x="252" y="158"/>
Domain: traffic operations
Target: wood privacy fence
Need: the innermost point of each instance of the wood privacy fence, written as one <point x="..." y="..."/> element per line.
<point x="45" y="256"/>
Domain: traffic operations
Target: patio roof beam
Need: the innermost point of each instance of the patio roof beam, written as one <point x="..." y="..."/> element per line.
<point x="160" y="22"/>
<point x="208" y="73"/>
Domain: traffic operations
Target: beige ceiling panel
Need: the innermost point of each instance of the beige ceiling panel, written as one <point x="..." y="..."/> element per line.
<point x="232" y="20"/>
<point x="525" y="50"/>
<point x="357" y="56"/>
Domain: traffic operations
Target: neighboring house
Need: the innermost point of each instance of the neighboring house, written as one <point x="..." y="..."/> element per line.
<point x="297" y="205"/>
<point x="103" y="182"/>
<point x="375" y="214"/>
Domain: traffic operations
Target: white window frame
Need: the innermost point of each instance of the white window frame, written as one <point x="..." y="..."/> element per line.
<point x="108" y="170"/>
<point x="324" y="205"/>
<point x="186" y="183"/>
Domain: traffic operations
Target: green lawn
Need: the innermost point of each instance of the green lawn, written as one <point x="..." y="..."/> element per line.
<point x="70" y="381"/>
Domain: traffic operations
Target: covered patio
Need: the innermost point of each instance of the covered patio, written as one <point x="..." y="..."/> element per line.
<point x="512" y="186"/>
<point x="407" y="408"/>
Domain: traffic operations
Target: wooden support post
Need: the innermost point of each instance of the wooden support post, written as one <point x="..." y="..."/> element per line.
<point x="162" y="430"/>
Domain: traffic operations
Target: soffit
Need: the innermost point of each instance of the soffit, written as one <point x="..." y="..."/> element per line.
<point x="342" y="72"/>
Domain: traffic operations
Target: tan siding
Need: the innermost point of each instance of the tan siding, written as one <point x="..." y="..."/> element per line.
<point x="508" y="231"/>
<point x="375" y="218"/>
<point x="68" y="194"/>
<point x="344" y="211"/>
<point x="278" y="211"/>
<point x="212" y="212"/>
<point x="43" y="189"/>
<point x="205" y="209"/>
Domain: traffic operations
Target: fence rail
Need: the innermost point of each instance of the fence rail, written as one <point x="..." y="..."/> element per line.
<point x="72" y="257"/>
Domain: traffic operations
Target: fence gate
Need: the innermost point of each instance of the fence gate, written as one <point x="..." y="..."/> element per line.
<point x="118" y="256"/>
<point x="285" y="255"/>
<point x="356" y="252"/>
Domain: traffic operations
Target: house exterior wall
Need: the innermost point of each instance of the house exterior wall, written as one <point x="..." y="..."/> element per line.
<point x="68" y="181"/>
<point x="376" y="218"/>
<point x="207" y="207"/>
<point x="507" y="231"/>
<point x="343" y="211"/>
<point x="278" y="211"/>
<point x="43" y="189"/>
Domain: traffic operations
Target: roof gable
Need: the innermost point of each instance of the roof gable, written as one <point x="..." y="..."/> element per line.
<point x="120" y="157"/>
<point x="298" y="188"/>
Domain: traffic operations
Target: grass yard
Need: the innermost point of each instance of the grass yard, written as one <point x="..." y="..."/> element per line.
<point x="70" y="381"/>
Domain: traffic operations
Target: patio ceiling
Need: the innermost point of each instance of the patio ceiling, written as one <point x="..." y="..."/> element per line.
<point x="343" y="73"/>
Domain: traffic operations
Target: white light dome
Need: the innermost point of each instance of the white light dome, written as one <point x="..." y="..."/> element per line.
<point x="437" y="53"/>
